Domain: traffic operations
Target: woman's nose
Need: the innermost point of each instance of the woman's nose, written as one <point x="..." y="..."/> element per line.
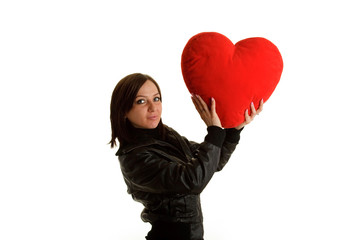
<point x="152" y="107"/>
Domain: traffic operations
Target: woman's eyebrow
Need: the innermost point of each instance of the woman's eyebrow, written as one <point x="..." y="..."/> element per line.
<point x="146" y="96"/>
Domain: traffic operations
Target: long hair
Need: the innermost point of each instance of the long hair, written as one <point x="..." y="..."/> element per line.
<point x="122" y="101"/>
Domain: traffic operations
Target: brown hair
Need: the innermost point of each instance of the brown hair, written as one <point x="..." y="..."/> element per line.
<point x="122" y="101"/>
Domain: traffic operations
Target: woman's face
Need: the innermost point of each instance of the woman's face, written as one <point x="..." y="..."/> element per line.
<point x="147" y="108"/>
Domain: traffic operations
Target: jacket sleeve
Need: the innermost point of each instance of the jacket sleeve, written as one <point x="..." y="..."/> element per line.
<point x="159" y="172"/>
<point x="231" y="140"/>
<point x="228" y="146"/>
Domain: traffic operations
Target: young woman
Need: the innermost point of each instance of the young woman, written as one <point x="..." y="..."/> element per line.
<point x="163" y="170"/>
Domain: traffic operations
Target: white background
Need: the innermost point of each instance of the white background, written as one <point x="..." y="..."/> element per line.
<point x="295" y="174"/>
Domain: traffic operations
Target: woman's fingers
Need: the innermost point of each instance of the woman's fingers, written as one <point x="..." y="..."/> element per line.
<point x="199" y="106"/>
<point x="213" y="110"/>
<point x="209" y="116"/>
<point x="202" y="108"/>
<point x="214" y="117"/>
<point x="203" y="105"/>
<point x="253" y="110"/>
<point x="260" y="107"/>
<point x="196" y="103"/>
<point x="247" y="117"/>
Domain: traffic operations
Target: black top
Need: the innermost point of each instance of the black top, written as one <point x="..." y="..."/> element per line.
<point x="167" y="173"/>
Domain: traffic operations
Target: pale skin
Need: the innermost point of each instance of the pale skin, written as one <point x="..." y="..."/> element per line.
<point x="210" y="117"/>
<point x="147" y="107"/>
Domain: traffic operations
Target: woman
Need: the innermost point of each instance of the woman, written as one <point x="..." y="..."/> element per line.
<point x="163" y="170"/>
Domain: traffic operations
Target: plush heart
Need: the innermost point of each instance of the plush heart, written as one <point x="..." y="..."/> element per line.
<point x="235" y="75"/>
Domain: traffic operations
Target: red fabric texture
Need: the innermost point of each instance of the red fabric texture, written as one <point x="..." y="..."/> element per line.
<point x="235" y="75"/>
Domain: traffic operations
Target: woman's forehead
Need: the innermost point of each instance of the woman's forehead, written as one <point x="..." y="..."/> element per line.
<point x="148" y="89"/>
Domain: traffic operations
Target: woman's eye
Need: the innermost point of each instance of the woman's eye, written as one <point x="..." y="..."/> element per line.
<point x="157" y="99"/>
<point x="140" y="101"/>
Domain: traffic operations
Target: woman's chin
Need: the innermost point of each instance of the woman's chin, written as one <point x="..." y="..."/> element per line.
<point x="152" y="124"/>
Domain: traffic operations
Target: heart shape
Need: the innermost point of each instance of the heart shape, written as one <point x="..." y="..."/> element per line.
<point x="235" y="75"/>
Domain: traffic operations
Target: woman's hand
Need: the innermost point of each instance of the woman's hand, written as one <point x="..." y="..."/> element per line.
<point x="254" y="112"/>
<point x="209" y="116"/>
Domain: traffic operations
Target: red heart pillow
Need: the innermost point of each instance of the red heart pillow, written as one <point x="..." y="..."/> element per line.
<point x="235" y="75"/>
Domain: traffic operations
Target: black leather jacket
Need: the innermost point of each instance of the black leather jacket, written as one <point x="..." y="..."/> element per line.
<point x="167" y="175"/>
